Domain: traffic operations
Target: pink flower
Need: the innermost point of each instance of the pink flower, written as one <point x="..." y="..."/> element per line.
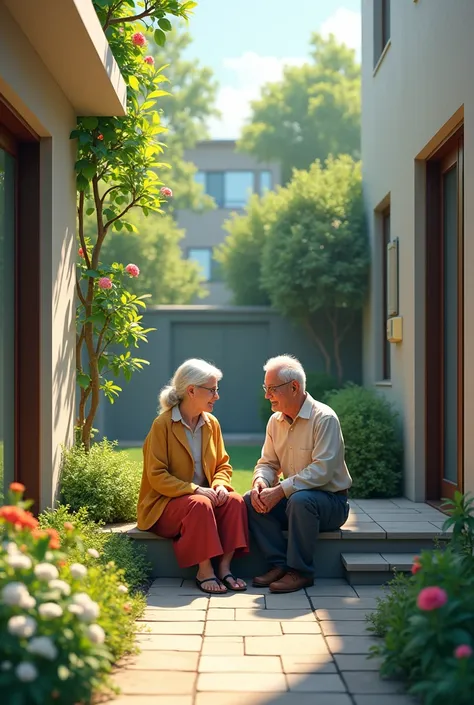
<point x="105" y="283"/>
<point x="80" y="252"/>
<point x="431" y="598"/>
<point x="416" y="565"/>
<point x="165" y="191"/>
<point x="132" y="269"/>
<point x="139" y="39"/>
<point x="149" y="60"/>
<point x="463" y="651"/>
<point x="100" y="137"/>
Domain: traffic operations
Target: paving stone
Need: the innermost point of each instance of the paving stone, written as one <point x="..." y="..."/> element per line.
<point x="167" y="582"/>
<point x="149" y="683"/>
<point x="336" y="615"/>
<point x="291" y="601"/>
<point x="237" y="600"/>
<point x="239" y="628"/>
<point x="152" y="700"/>
<point x="280" y="699"/>
<point x="357" y="662"/>
<point x="305" y="663"/>
<point x="242" y="682"/>
<point x="240" y="664"/>
<point x="387" y="700"/>
<point x="165" y="602"/>
<point x="301" y="615"/>
<point x="364" y="561"/>
<point x="345" y="628"/>
<point x="171" y="628"/>
<point x="370" y="682"/>
<point x="224" y="614"/>
<point x="162" y="661"/>
<point x="399" y="561"/>
<point x="331" y="591"/>
<point x="370" y="590"/>
<point x="316" y="683"/>
<point x="169" y="642"/>
<point x="357" y="603"/>
<point x="298" y="627"/>
<point x="363" y="531"/>
<point x="350" y="644"/>
<point x="402" y="517"/>
<point x="400" y="530"/>
<point x="251" y="590"/>
<point x="217" y="646"/>
<point x="292" y="644"/>
<point x="177" y="615"/>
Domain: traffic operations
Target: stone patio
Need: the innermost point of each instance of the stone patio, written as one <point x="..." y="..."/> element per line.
<point x="255" y="648"/>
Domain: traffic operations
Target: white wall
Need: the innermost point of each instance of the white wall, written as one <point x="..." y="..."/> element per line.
<point x="424" y="78"/>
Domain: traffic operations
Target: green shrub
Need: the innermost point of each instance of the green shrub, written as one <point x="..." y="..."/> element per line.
<point x="430" y="642"/>
<point x="318" y="384"/>
<point x="374" y="448"/>
<point x="126" y="554"/>
<point x="104" y="480"/>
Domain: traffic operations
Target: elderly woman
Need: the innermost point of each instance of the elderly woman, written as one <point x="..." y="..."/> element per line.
<point x="186" y="492"/>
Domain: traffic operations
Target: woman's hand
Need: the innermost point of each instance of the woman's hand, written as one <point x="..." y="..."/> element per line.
<point x="222" y="495"/>
<point x="209" y="493"/>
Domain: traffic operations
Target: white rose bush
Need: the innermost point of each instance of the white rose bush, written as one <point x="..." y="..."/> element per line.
<point x="60" y="621"/>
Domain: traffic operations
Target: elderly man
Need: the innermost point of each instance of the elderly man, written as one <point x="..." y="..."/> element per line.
<point x="303" y="443"/>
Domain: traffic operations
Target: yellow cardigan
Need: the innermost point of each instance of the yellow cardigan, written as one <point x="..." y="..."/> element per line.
<point x="168" y="465"/>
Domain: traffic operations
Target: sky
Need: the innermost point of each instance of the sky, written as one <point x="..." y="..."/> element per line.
<point x="247" y="43"/>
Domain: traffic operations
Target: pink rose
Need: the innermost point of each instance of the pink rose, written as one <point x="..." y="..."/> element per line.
<point x="132" y="269"/>
<point x="139" y="39"/>
<point x="149" y="60"/>
<point x="431" y="598"/>
<point x="165" y="191"/>
<point x="80" y="252"/>
<point x="105" y="283"/>
<point x="463" y="651"/>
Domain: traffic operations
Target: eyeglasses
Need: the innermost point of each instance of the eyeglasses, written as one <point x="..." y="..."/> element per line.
<point x="212" y="390"/>
<point x="272" y="387"/>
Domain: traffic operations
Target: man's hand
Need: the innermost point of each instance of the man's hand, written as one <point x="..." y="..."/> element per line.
<point x="258" y="486"/>
<point x="209" y="493"/>
<point x="270" y="497"/>
<point x="222" y="495"/>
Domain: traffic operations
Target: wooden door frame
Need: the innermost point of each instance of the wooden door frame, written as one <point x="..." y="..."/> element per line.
<point x="437" y="165"/>
<point x="24" y="144"/>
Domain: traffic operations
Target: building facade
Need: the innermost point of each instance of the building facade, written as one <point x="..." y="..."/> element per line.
<point x="230" y="177"/>
<point x="417" y="137"/>
<point x="44" y="85"/>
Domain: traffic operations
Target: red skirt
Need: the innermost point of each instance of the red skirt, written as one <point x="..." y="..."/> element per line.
<point x="201" y="531"/>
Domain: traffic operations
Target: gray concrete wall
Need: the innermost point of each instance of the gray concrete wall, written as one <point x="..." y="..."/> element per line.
<point x="238" y="340"/>
<point x="423" y="80"/>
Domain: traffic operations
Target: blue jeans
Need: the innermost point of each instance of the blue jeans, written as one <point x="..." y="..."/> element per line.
<point x="304" y="515"/>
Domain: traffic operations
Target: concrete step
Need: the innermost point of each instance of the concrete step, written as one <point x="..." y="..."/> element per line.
<point x="375" y="568"/>
<point x="372" y="558"/>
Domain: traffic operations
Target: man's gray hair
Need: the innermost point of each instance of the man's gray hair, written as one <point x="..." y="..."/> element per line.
<point x="288" y="368"/>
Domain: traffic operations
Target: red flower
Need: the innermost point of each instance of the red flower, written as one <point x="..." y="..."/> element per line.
<point x="149" y="60"/>
<point x="54" y="542"/>
<point x="127" y="607"/>
<point x="68" y="526"/>
<point x="105" y="283"/>
<point x="139" y="39"/>
<point x="416" y="565"/>
<point x="165" y="191"/>
<point x="132" y="269"/>
<point x="80" y="252"/>
<point x="18" y="517"/>
<point x="431" y="598"/>
<point x="17" y="487"/>
<point x="100" y="137"/>
<point x="463" y="651"/>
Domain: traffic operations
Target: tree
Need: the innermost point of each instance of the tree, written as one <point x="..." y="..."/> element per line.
<point x="117" y="158"/>
<point x="240" y="255"/>
<point x="164" y="274"/>
<point x="316" y="253"/>
<point x="313" y="112"/>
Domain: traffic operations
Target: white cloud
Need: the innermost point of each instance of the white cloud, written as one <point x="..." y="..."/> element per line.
<point x="251" y="71"/>
<point x="346" y="26"/>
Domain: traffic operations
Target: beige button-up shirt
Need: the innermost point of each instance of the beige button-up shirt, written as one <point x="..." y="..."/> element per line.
<point x="194" y="439"/>
<point x="308" y="452"/>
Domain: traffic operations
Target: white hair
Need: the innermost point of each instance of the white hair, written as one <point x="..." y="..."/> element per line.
<point x="288" y="369"/>
<point x="192" y="371"/>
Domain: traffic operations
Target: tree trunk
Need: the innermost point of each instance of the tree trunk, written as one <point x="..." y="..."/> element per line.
<point x="320" y="344"/>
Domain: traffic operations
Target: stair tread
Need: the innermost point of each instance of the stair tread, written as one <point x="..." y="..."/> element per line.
<point x="377" y="561"/>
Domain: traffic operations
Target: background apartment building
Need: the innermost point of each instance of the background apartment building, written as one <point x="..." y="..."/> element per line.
<point x="418" y="167"/>
<point x="230" y="178"/>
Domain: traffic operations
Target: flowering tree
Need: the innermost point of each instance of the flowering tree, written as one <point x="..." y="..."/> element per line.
<point x="117" y="169"/>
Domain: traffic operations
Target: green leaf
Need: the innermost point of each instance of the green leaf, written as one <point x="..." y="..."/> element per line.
<point x="165" y="24"/>
<point x="83" y="380"/>
<point x="89" y="171"/>
<point x="81" y="182"/>
<point x="89" y="211"/>
<point x="84" y="138"/>
<point x="160" y="37"/>
<point x="133" y="83"/>
<point x="92" y="273"/>
<point x="90" y="123"/>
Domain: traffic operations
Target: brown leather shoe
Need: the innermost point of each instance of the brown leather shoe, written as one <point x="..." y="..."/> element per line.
<point x="269" y="577"/>
<point x="291" y="582"/>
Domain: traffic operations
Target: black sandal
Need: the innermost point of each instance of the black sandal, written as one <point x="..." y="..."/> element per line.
<point x="200" y="583"/>
<point x="225" y="581"/>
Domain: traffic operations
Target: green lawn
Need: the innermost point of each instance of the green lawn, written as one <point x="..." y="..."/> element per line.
<point x="242" y="458"/>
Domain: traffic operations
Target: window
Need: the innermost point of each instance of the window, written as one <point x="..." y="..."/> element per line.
<point x="229" y="189"/>
<point x="265" y="181"/>
<point x="203" y="256"/>
<point x="381" y="27"/>
<point x="386" y="366"/>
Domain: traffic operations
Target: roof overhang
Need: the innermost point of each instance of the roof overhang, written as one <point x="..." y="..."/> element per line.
<point x="68" y="38"/>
